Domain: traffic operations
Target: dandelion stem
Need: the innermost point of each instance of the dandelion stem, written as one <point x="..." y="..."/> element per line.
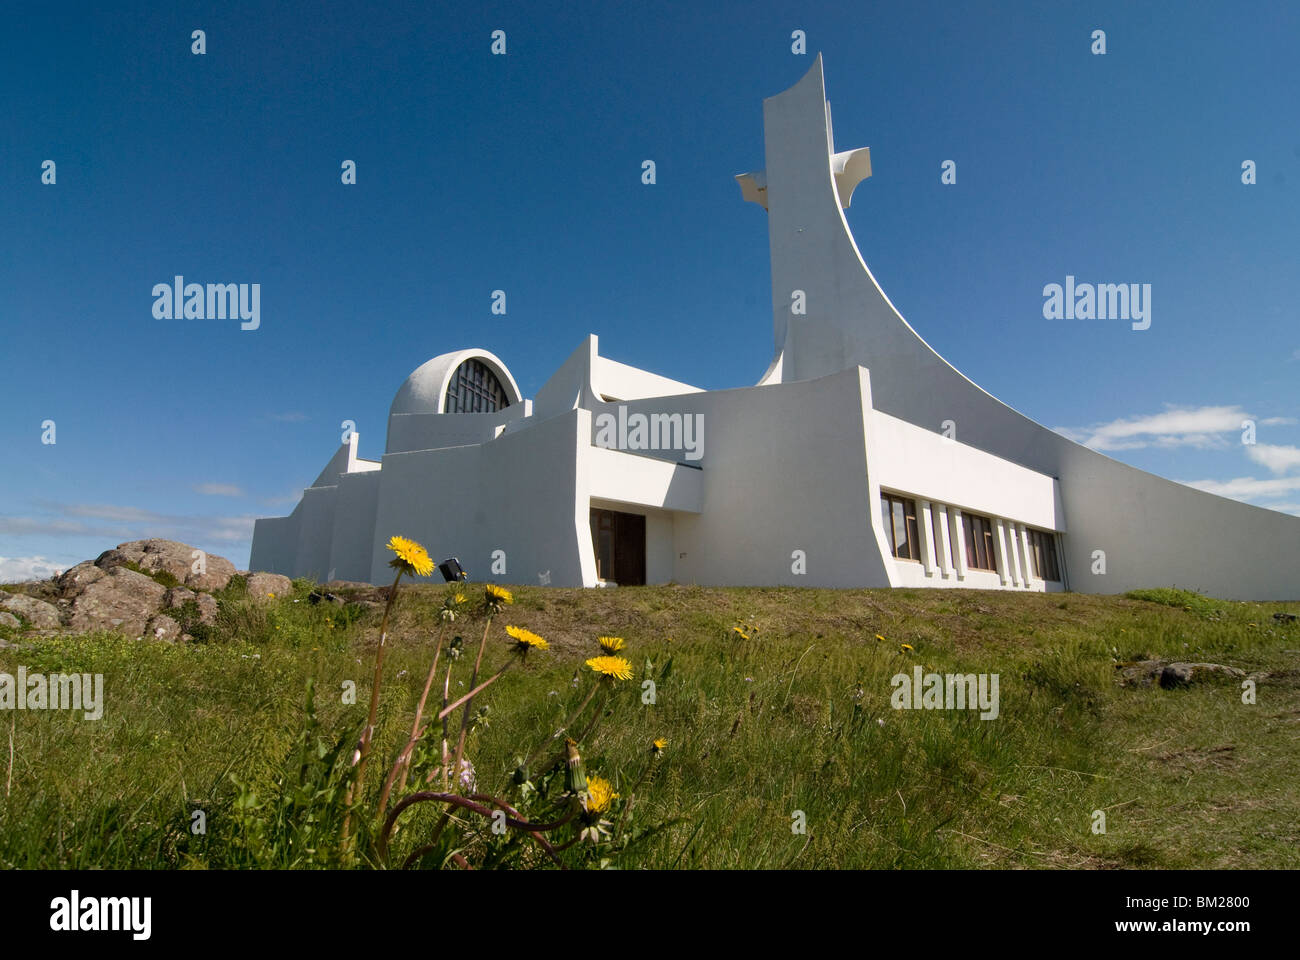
<point x="464" y="729"/>
<point x="367" y="735"/>
<point x="477" y="690"/>
<point x="446" y="692"/>
<point x="403" y="761"/>
<point x="456" y="800"/>
<point x="469" y="701"/>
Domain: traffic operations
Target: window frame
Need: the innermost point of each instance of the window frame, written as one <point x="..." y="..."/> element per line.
<point x="1046" y="558"/>
<point x="980" y="544"/>
<point x="892" y="504"/>
<point x="474" y="387"/>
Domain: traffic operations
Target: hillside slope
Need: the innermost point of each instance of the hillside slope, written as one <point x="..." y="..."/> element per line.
<point x="794" y="724"/>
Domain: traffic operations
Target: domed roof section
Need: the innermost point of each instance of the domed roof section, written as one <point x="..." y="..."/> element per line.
<point x="425" y="390"/>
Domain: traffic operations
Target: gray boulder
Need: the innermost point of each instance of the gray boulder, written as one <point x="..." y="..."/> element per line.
<point x="76" y="579"/>
<point x="41" y="615"/>
<point x="1178" y="673"/>
<point x="164" y="628"/>
<point x="268" y="584"/>
<point x="123" y="601"/>
<point x="1171" y="674"/>
<point x="178" y="559"/>
<point x="7" y="619"/>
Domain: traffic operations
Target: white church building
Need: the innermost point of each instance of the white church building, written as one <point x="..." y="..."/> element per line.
<point x="861" y="458"/>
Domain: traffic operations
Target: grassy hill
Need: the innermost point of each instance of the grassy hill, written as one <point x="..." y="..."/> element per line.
<point x="795" y="718"/>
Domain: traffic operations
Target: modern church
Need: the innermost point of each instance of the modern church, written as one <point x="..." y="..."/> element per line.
<point x="860" y="459"/>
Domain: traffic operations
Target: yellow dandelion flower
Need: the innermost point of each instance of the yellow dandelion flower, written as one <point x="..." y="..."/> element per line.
<point x="658" y="746"/>
<point x="526" y="638"/>
<point x="600" y="794"/>
<point x="743" y="635"/>
<point x="611" y="644"/>
<point x="907" y="647"/>
<point x="458" y="598"/>
<point x="497" y="596"/>
<point x="879" y="637"/>
<point x="411" y="557"/>
<point x="616" y="668"/>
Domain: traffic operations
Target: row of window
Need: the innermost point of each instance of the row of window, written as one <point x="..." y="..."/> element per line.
<point x="899" y="517"/>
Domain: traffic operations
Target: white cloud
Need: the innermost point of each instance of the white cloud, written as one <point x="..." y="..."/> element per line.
<point x="1278" y="459"/>
<point x="219" y="490"/>
<point x="1202" y="427"/>
<point x="293" y="496"/>
<point x="18" y="569"/>
<point x="1248" y="488"/>
<point x="120" y="523"/>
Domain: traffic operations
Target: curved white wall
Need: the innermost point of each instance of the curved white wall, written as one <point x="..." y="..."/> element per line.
<point x="1153" y="531"/>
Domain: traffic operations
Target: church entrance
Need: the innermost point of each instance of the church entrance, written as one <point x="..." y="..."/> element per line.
<point x="619" y="542"/>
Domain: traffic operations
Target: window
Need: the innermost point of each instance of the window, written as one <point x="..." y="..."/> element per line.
<point x="980" y="552"/>
<point x="475" y="389"/>
<point x="898" y="517"/>
<point x="1042" y="547"/>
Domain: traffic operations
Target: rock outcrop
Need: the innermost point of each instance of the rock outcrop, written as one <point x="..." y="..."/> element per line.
<point x="262" y="585"/>
<point x="188" y="565"/>
<point x="152" y="589"/>
<point x="122" y="600"/>
<point x="41" y="615"/>
<point x="1171" y="674"/>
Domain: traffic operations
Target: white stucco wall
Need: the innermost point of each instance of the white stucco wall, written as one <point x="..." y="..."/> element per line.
<point x="275" y="544"/>
<point x="430" y="431"/>
<point x="784" y="468"/>
<point x="645" y="481"/>
<point x="618" y="380"/>
<point x="908" y="459"/>
<point x="523" y="493"/>
<point x="352" y="539"/>
<point x="315" y="531"/>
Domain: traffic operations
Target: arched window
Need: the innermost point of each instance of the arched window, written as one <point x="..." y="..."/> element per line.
<point x="474" y="388"/>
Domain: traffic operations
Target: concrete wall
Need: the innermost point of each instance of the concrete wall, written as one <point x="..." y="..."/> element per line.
<point x="429" y="431"/>
<point x="275" y="544"/>
<point x="523" y="493"/>
<point x="352" y="539"/>
<point x="618" y="380"/>
<point x="315" y="533"/>
<point x="908" y="459"/>
<point x="784" y="468"/>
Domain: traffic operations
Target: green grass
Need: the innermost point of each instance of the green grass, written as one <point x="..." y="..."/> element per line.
<point x="798" y="718"/>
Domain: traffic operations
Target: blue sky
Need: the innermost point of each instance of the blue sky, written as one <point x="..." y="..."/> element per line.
<point x="522" y="173"/>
